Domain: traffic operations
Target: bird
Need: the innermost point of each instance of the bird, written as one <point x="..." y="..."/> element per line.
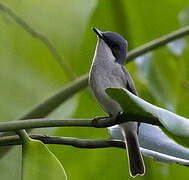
<point x="108" y="71"/>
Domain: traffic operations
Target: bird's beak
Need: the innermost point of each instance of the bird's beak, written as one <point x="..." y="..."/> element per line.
<point x="98" y="32"/>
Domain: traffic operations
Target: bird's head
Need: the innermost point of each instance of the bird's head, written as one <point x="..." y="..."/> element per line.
<point x="115" y="42"/>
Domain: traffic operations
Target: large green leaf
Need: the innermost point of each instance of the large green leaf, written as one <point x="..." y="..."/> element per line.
<point x="155" y="144"/>
<point x="40" y="163"/>
<point x="176" y="126"/>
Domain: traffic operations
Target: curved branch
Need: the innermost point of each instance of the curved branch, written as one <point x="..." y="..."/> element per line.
<point x="8" y="141"/>
<point x="50" y="104"/>
<point x="156" y="43"/>
<point x="75" y="142"/>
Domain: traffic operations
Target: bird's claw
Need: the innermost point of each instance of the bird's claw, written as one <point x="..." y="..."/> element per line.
<point x="119" y="117"/>
<point x="96" y="119"/>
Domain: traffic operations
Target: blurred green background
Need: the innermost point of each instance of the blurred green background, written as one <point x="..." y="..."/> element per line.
<point x="29" y="73"/>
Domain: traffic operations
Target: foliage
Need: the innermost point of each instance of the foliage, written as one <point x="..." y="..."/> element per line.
<point x="29" y="73"/>
<point x="174" y="126"/>
<point x="39" y="162"/>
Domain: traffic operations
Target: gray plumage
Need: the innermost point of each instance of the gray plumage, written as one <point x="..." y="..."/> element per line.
<point x="107" y="71"/>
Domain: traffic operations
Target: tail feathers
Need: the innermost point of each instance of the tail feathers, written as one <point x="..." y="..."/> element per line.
<point x="136" y="163"/>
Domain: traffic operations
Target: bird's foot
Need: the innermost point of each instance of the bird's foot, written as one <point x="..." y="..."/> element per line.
<point x="96" y="119"/>
<point x="120" y="117"/>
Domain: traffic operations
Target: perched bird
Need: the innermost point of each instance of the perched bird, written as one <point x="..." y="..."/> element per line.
<point x="108" y="71"/>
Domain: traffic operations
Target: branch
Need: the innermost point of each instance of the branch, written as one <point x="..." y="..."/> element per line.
<point x="83" y="143"/>
<point x="41" y="37"/>
<point x="75" y="142"/>
<point x="50" y="104"/>
<point x="156" y="43"/>
<point x="96" y="122"/>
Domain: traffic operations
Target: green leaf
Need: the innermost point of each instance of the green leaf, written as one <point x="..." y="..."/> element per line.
<point x="176" y="126"/>
<point x="40" y="163"/>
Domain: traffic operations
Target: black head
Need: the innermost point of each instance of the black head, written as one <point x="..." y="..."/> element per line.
<point x="116" y="43"/>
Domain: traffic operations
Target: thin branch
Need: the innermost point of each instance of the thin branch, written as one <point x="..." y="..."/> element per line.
<point x="41" y="37"/>
<point x="8" y="141"/>
<point x="156" y="43"/>
<point x="75" y="142"/>
<point x="51" y="122"/>
<point x="50" y="104"/>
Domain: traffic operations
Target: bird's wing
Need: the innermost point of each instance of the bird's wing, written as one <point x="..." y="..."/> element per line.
<point x="128" y="81"/>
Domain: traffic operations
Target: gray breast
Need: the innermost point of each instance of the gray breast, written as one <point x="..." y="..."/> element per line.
<point x="106" y="74"/>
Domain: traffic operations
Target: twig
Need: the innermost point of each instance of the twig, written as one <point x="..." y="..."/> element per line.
<point x="50" y="104"/>
<point x="41" y="37"/>
<point x="76" y="142"/>
<point x="156" y="43"/>
<point x="8" y="141"/>
<point x="51" y="122"/>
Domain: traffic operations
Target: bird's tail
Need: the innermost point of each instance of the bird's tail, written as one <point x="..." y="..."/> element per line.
<point x="136" y="163"/>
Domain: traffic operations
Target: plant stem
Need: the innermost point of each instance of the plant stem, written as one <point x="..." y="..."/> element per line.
<point x="79" y="143"/>
<point x="57" y="99"/>
<point x="51" y="122"/>
<point x="23" y="136"/>
<point x="156" y="43"/>
<point x="76" y="142"/>
<point x="50" y="104"/>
